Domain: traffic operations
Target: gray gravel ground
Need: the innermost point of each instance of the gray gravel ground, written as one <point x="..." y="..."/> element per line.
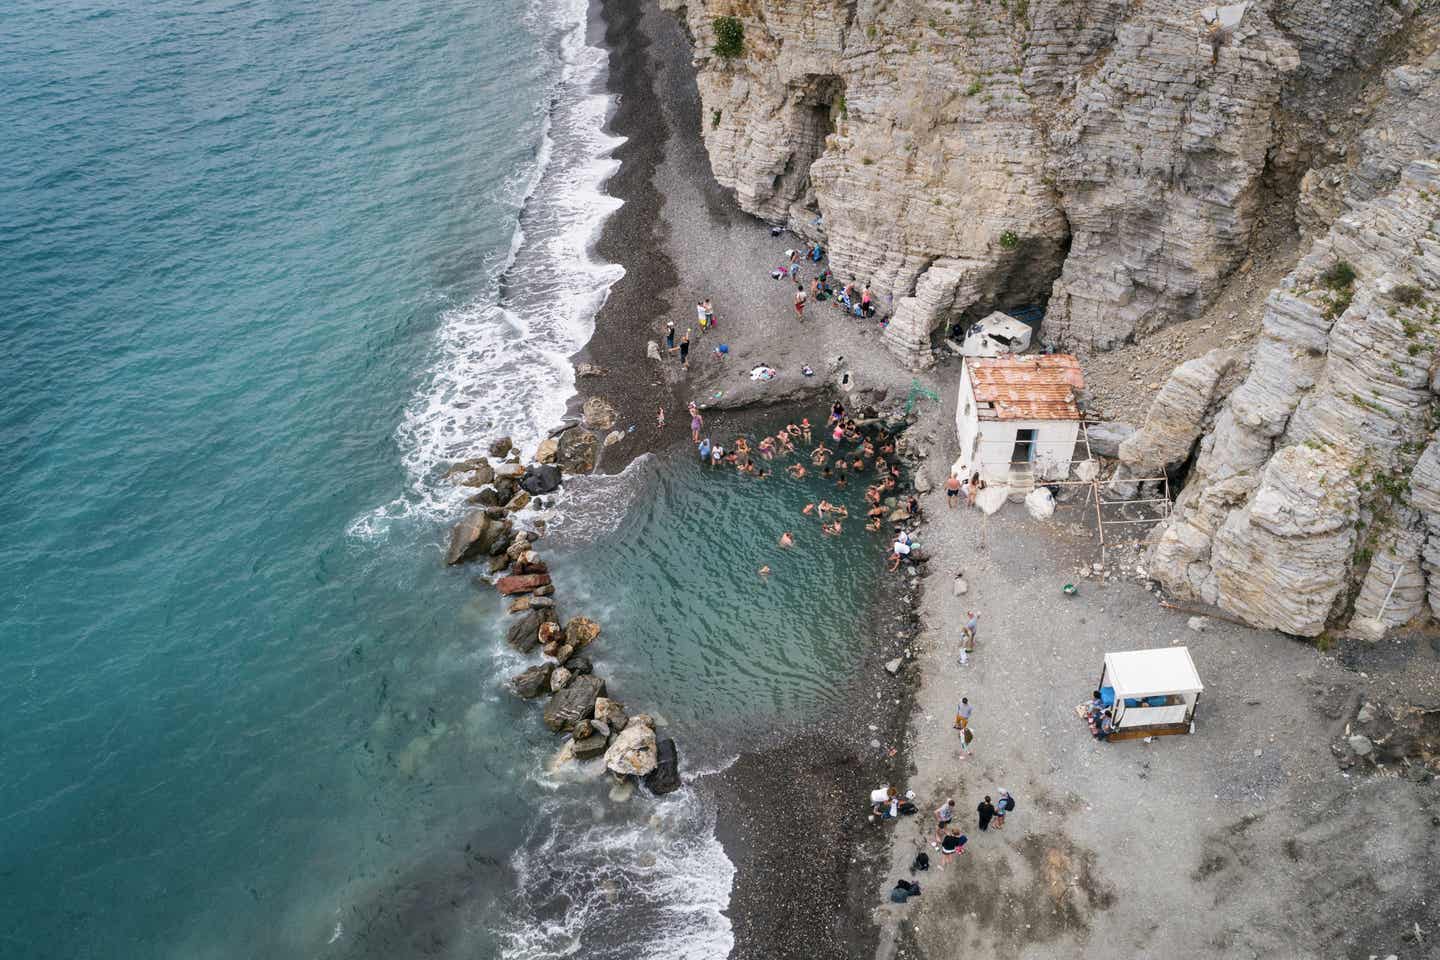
<point x="1244" y="839"/>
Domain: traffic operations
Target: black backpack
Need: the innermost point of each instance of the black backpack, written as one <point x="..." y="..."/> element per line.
<point x="922" y="862"/>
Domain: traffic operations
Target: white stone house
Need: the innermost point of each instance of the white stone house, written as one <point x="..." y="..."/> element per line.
<point x="1018" y="414"/>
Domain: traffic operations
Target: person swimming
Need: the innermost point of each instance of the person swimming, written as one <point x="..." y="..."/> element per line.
<point x="767" y="448"/>
<point x="796" y="470"/>
<point x="808" y="509"/>
<point x="705" y="449"/>
<point x="786" y="540"/>
<point x="805" y="428"/>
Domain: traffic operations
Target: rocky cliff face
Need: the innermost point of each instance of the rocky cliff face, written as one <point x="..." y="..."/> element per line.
<point x="962" y="156"/>
<point x="1116" y="160"/>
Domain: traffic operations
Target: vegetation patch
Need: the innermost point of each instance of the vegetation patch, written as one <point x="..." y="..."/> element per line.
<point x="1408" y="294"/>
<point x="729" y="37"/>
<point x="1008" y="240"/>
<point x="1339" y="278"/>
<point x="1338" y="275"/>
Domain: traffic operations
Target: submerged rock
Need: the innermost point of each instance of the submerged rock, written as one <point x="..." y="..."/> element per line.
<point x="634" y="752"/>
<point x="501" y="446"/>
<point x="665" y="778"/>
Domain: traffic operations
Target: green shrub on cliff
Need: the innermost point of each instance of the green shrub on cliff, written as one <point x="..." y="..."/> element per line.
<point x="729" y="37"/>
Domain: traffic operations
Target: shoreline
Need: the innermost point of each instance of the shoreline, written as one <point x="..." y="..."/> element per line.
<point x="791" y="816"/>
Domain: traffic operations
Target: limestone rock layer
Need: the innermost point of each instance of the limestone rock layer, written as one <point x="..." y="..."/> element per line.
<point x="1105" y="156"/>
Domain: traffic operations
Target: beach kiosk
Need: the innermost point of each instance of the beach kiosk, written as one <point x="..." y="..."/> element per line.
<point x="1151" y="693"/>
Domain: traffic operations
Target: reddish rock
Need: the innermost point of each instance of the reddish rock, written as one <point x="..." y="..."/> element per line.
<point x="522" y="584"/>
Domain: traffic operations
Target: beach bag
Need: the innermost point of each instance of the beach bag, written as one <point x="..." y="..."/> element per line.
<point x="776" y="274"/>
<point x="969" y="737"/>
<point x="922" y="861"/>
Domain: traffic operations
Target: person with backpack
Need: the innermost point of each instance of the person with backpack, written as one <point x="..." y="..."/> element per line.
<point x="1004" y="806"/>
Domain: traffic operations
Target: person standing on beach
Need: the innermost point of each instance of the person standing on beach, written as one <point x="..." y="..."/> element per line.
<point x="1004" y="806"/>
<point x="799" y="302"/>
<point x="696" y="422"/>
<point x="660" y="419"/>
<point x="943" y="815"/>
<point x="670" y="335"/>
<point x="685" y="351"/>
<point x="700" y="315"/>
<point x="709" y="313"/>
<point x="986" y="810"/>
<point x="952" y="491"/>
<point x="963" y="713"/>
<point x="972" y="624"/>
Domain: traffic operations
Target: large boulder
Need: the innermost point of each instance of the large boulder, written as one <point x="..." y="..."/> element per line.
<point x="578" y="449"/>
<point x="598" y="414"/>
<point x="524" y="634"/>
<point x="532" y="681"/>
<point x="472" y="473"/>
<point x="665" y="778"/>
<point x="580" y="631"/>
<point x="1105" y="438"/>
<point x="634" y="752"/>
<point x="560" y="679"/>
<point x="522" y="583"/>
<point x="591" y="746"/>
<point x="611" y="712"/>
<point x="548" y="449"/>
<point x="474" y="536"/>
<point x="579" y="663"/>
<point x="487" y="497"/>
<point x="500" y="446"/>
<point x="540" y="478"/>
<point x="573" y="704"/>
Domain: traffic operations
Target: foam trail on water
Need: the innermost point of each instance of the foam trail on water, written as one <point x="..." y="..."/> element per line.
<point x="502" y="360"/>
<point x="643" y="879"/>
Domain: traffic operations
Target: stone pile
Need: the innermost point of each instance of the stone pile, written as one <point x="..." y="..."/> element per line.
<point x="577" y="705"/>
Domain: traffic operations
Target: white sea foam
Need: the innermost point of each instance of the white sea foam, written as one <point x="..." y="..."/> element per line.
<point x="655" y="887"/>
<point x="502" y="361"/>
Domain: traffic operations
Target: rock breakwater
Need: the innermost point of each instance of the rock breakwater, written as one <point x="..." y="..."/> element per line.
<point x="578" y="706"/>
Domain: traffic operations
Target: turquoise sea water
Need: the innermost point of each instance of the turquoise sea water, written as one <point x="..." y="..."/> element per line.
<point x="270" y="267"/>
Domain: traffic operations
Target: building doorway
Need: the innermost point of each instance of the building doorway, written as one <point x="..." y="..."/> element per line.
<point x="1024" y="451"/>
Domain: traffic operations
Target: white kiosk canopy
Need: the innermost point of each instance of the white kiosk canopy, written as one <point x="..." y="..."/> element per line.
<point x="1150" y="691"/>
<point x="1149" y="673"/>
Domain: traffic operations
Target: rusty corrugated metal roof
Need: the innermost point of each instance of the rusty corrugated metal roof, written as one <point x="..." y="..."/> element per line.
<point x="1034" y="387"/>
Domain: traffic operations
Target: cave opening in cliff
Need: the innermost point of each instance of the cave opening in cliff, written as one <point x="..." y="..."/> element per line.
<point x="1019" y="285"/>
<point x="817" y="104"/>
